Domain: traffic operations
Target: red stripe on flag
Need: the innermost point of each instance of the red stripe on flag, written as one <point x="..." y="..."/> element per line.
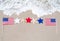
<point x="49" y="23"/>
<point x="9" y="22"/>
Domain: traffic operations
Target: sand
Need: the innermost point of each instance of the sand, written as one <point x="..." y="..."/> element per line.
<point x="30" y="32"/>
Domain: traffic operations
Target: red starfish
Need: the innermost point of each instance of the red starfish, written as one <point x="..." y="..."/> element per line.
<point x="28" y="20"/>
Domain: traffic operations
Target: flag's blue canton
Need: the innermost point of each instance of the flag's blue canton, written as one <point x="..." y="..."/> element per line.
<point x="5" y="19"/>
<point x="53" y="20"/>
<point x="40" y="20"/>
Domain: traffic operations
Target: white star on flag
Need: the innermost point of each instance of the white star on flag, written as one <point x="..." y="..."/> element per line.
<point x="17" y="20"/>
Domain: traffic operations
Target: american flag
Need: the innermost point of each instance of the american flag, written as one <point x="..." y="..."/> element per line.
<point x="8" y="21"/>
<point x="50" y="21"/>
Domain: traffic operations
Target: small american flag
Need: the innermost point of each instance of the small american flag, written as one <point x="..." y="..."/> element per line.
<point x="50" y="21"/>
<point x="8" y="21"/>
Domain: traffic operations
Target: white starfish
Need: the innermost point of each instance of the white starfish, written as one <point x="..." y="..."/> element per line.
<point x="17" y="20"/>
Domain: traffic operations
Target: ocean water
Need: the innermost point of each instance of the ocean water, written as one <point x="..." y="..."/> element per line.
<point x="38" y="7"/>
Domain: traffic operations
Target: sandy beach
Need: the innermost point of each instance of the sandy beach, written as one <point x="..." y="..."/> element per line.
<point x="30" y="32"/>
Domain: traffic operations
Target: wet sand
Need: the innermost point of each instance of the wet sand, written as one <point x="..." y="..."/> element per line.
<point x="30" y="32"/>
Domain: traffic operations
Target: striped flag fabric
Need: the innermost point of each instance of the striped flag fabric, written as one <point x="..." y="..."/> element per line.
<point x="50" y="21"/>
<point x="8" y="21"/>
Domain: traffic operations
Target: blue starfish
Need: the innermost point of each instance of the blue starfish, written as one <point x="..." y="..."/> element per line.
<point x="40" y="20"/>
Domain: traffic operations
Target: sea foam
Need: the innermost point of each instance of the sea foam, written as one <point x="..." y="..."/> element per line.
<point x="38" y="7"/>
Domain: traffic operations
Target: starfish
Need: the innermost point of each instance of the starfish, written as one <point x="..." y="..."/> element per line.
<point x="17" y="20"/>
